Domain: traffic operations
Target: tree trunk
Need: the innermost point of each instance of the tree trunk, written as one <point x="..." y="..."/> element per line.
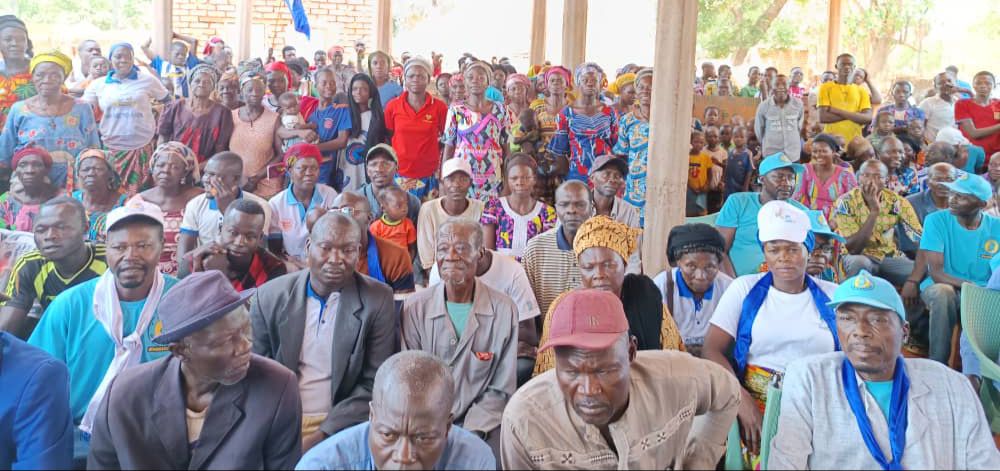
<point x="762" y="24"/>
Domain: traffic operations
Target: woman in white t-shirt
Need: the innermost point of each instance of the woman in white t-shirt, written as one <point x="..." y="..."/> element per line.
<point x="772" y="318"/>
<point x="128" y="127"/>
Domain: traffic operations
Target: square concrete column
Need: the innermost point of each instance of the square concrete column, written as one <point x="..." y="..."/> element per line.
<point x="574" y="37"/>
<point x="163" y="26"/>
<point x="537" y="54"/>
<point x="383" y="26"/>
<point x="670" y="127"/>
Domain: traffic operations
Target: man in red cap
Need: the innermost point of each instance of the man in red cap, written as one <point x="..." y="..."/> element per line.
<point x="607" y="406"/>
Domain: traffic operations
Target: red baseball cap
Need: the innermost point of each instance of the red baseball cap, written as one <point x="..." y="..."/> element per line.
<point x="590" y="319"/>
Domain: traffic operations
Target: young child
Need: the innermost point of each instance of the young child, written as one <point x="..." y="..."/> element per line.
<point x="393" y="225"/>
<point x="739" y="166"/>
<point x="726" y="136"/>
<point x="699" y="165"/>
<point x="291" y="118"/>
<point x="176" y="67"/>
<point x="526" y="134"/>
<point x="915" y="131"/>
<point x="713" y="117"/>
<point x="883" y="128"/>
<point x="715" y="175"/>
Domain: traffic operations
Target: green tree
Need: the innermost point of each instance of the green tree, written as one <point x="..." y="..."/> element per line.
<point x="731" y="28"/>
<point x="104" y="14"/>
<point x="875" y="27"/>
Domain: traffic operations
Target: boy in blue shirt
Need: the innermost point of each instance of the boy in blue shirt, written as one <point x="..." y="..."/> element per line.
<point x="957" y="245"/>
<point x="176" y="67"/>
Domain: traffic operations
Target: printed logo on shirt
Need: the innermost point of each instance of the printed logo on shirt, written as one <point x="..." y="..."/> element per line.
<point x="428" y="117"/>
<point x="328" y="123"/>
<point x="286" y="224"/>
<point x="990" y="248"/>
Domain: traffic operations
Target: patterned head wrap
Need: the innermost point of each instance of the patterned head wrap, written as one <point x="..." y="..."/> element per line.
<point x="535" y="70"/>
<point x="35" y="151"/>
<point x="622" y="81"/>
<point x="248" y="76"/>
<point x="560" y="70"/>
<point x="642" y="73"/>
<point x="418" y="61"/>
<point x="181" y="151"/>
<point x="212" y="42"/>
<point x="586" y="68"/>
<point x="116" y="180"/>
<point x="282" y="68"/>
<point x="455" y="80"/>
<point x="302" y="150"/>
<point x="204" y="69"/>
<point x="519" y="78"/>
<point x="55" y="57"/>
<point x="602" y="231"/>
<point x="487" y="69"/>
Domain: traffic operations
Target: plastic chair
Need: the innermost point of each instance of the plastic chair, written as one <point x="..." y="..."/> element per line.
<point x="709" y="219"/>
<point x="980" y="315"/>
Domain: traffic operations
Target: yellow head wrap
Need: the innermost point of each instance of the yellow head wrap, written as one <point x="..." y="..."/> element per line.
<point x="602" y="231"/>
<point x="56" y="57"/>
<point x="621" y="82"/>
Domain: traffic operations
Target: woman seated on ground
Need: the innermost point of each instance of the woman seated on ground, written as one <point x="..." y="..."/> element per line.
<point x="509" y="222"/>
<point x="175" y="171"/>
<point x="20" y="204"/>
<point x="692" y="289"/>
<point x="603" y="246"/>
<point x="791" y="307"/>
<point x="100" y="190"/>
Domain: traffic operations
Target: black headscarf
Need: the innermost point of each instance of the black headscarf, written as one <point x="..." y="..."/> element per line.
<point x="698" y="237"/>
<point x="643" y="304"/>
<point x="376" y="130"/>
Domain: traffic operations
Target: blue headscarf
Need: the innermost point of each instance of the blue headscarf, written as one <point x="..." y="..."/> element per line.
<point x="133" y="72"/>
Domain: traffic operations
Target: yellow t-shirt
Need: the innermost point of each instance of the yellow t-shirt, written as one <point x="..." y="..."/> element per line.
<point x="849" y="97"/>
<point x="698" y="168"/>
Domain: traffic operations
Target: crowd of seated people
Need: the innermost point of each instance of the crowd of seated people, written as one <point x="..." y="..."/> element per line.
<point x="380" y="264"/>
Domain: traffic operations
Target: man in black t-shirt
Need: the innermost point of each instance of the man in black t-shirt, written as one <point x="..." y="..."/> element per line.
<point x="63" y="260"/>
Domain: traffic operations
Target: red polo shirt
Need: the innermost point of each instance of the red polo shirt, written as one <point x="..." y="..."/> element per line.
<point x="416" y="134"/>
<point x="981" y="117"/>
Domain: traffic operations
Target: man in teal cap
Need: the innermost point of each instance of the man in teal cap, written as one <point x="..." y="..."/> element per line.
<point x="957" y="245"/>
<point x="738" y="219"/>
<point x="867" y="407"/>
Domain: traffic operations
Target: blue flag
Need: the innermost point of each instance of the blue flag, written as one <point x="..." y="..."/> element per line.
<point x="299" y="17"/>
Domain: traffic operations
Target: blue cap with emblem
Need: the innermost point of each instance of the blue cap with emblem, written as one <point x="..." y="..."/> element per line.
<point x="864" y="288"/>
<point x="970" y="184"/>
<point x="820" y="226"/>
<point x="779" y="160"/>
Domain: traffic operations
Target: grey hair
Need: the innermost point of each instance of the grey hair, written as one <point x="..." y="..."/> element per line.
<point x="472" y="226"/>
<point x="882" y="168"/>
<point x="415" y="370"/>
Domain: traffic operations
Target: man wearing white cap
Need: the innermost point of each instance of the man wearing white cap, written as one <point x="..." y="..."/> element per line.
<point x="105" y="325"/>
<point x="456" y="178"/>
<point x="869" y="408"/>
<point x="772" y="318"/>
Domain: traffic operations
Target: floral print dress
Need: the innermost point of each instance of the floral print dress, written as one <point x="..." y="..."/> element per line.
<point x="479" y="139"/>
<point x="12" y="90"/>
<point x="584" y="138"/>
<point x="821" y="195"/>
<point x="515" y="230"/>
<point x="633" y="143"/>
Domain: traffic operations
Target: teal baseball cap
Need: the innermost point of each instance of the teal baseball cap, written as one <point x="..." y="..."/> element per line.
<point x="864" y="288"/>
<point x="820" y="225"/>
<point x="970" y="184"/>
<point x="779" y="160"/>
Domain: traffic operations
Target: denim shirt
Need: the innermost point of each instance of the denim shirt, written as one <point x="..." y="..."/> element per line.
<point x="349" y="449"/>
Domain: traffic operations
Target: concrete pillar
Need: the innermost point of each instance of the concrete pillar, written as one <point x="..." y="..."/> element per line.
<point x="833" y="34"/>
<point x="244" y="28"/>
<point x="163" y="26"/>
<point x="574" y="37"/>
<point x="670" y="132"/>
<point x="537" y="54"/>
<point x="383" y="26"/>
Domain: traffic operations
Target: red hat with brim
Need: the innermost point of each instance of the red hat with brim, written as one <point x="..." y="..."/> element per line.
<point x="587" y="319"/>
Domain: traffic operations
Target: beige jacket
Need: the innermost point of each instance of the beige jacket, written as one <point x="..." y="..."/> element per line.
<point x="483" y="360"/>
<point x="679" y="413"/>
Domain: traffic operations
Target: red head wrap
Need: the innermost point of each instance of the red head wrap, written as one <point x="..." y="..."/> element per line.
<point x="302" y="150"/>
<point x="279" y="66"/>
<point x="32" y="150"/>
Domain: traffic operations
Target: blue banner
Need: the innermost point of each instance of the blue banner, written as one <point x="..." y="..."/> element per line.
<point x="299" y="17"/>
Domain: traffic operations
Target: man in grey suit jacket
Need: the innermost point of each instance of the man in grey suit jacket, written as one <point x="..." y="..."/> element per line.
<point x="211" y="404"/>
<point x="330" y="325"/>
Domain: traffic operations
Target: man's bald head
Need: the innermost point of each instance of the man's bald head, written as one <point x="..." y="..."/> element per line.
<point x="329" y="220"/>
<point x="417" y="376"/>
<point x="573" y="206"/>
<point x="571" y="186"/>
<point x="941" y="168"/>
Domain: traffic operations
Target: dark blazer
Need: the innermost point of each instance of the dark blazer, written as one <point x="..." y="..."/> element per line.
<point x="365" y="329"/>
<point x="253" y="424"/>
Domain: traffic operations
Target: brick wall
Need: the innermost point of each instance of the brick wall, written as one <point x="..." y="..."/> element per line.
<point x="333" y="21"/>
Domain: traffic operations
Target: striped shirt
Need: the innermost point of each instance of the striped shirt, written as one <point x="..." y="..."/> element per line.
<point x="551" y="266"/>
<point x="36" y="277"/>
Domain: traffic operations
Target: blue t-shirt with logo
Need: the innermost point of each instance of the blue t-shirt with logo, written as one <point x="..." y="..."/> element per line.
<point x="71" y="333"/>
<point x="740" y="212"/>
<point x="967" y="253"/>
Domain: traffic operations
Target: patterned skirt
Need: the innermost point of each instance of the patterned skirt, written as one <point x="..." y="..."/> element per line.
<point x="133" y="168"/>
